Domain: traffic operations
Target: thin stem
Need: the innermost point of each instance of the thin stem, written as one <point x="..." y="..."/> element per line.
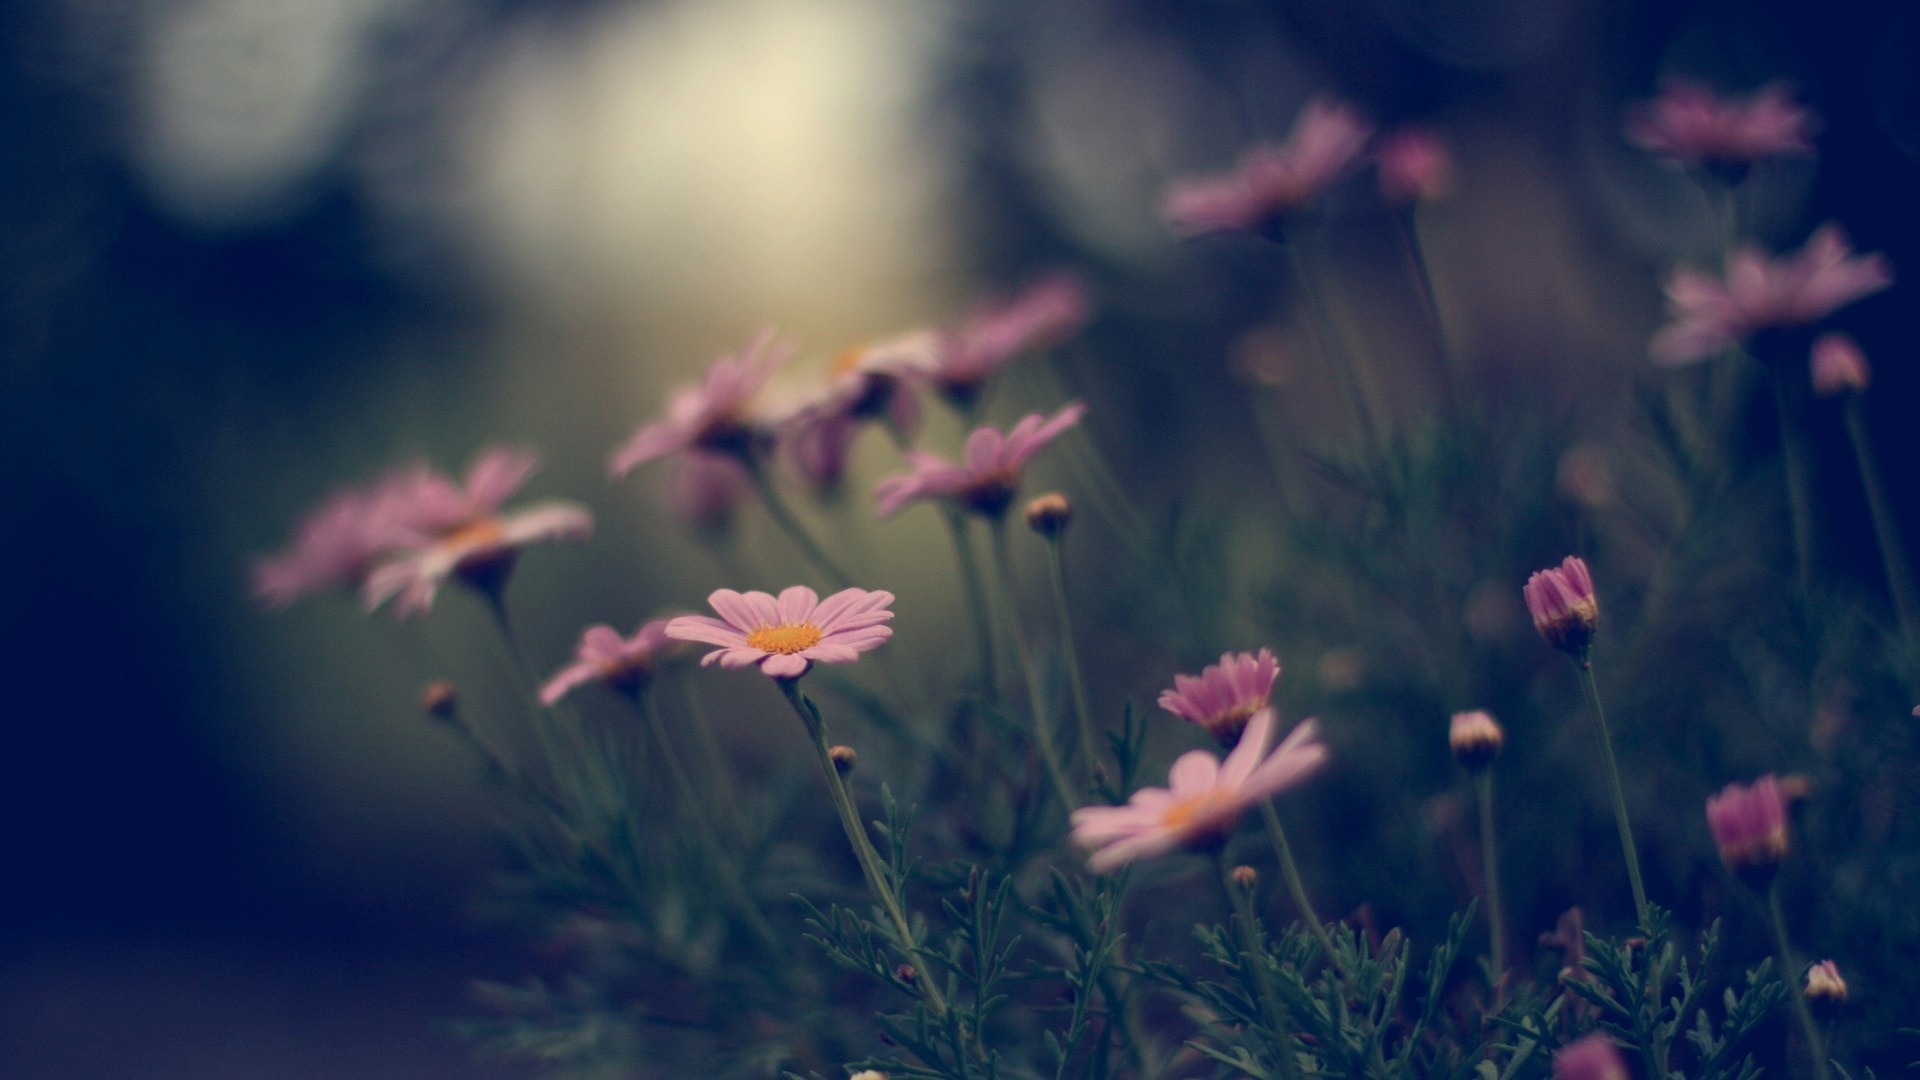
<point x="1296" y="888"/>
<point x="1359" y="382"/>
<point x="1089" y="739"/>
<point x="978" y="609"/>
<point x="563" y="767"/>
<point x="1042" y="723"/>
<point x="1790" y="971"/>
<point x="863" y="852"/>
<point x="1885" y="531"/>
<point x="789" y="524"/>
<point x="1253" y="952"/>
<point x="1490" y="856"/>
<point x="1415" y="258"/>
<point x="1797" y="455"/>
<point x="703" y="825"/>
<point x="1627" y="846"/>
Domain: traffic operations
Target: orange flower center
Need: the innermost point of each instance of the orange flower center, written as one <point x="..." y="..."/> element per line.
<point x="481" y="532"/>
<point x="847" y="362"/>
<point x="1193" y="810"/>
<point x="785" y="640"/>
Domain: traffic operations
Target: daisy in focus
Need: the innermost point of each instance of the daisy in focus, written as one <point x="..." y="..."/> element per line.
<point x="1709" y="314"/>
<point x="1271" y="181"/>
<point x="988" y="476"/>
<point x="623" y="663"/>
<point x="1204" y="798"/>
<point x="1692" y="126"/>
<point x="785" y="635"/>
<point x="1224" y="696"/>
<point x="714" y="417"/>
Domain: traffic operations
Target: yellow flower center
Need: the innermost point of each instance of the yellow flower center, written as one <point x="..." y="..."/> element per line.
<point x="785" y="640"/>
<point x="481" y="532"/>
<point x="847" y="362"/>
<point x="1191" y="810"/>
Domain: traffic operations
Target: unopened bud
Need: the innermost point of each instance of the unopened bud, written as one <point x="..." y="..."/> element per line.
<point x="1049" y="514"/>
<point x="1244" y="877"/>
<point x="905" y="973"/>
<point x="844" y="758"/>
<point x="1839" y="366"/>
<point x="1476" y="739"/>
<point x="868" y="1074"/>
<point x="1563" y="605"/>
<point x="439" y="699"/>
<point x="1825" y="990"/>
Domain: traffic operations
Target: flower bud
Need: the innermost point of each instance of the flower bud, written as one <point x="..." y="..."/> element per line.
<point x="1563" y="606"/>
<point x="1476" y="739"/>
<point x="1839" y="366"/>
<point x="1749" y="824"/>
<point x="440" y="700"/>
<point x="1592" y="1058"/>
<point x="1049" y="514"/>
<point x="1825" y="990"/>
<point x="905" y="973"/>
<point x="1244" y="877"/>
<point x="844" y="758"/>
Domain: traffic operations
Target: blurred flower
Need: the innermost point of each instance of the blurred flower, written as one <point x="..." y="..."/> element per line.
<point x="712" y="416"/>
<point x="1204" y="799"/>
<point x="334" y="549"/>
<point x="989" y="475"/>
<point x="1592" y="1058"/>
<point x="1049" y="514"/>
<point x="1563" y="605"/>
<point x="703" y="490"/>
<point x="1045" y="313"/>
<point x="1475" y="738"/>
<point x="440" y="699"/>
<point x="1825" y="990"/>
<point x="1414" y="166"/>
<point x="1272" y="181"/>
<point x="624" y="663"/>
<point x="866" y="383"/>
<point x="785" y="635"/>
<point x="1759" y="293"/>
<point x="1839" y="366"/>
<point x="1749" y="824"/>
<point x="1692" y="125"/>
<point x="443" y="529"/>
<point x="1224" y="696"/>
<point x="1585" y="475"/>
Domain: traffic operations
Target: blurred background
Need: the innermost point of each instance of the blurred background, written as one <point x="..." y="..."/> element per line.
<point x="254" y="249"/>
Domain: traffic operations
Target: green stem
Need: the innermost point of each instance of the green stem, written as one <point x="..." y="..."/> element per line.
<point x="1089" y="739"/>
<point x="1627" y="846"/>
<point x="1253" y="952"/>
<point x="1790" y="971"/>
<point x="1797" y="455"/>
<point x="1296" y="887"/>
<point x="1359" y="382"/>
<point x="1042" y="723"/>
<point x="1490" y="856"/>
<point x="978" y="609"/>
<point x="564" y="767"/>
<point x="928" y="980"/>
<point x="1885" y="531"/>
<point x="789" y="524"/>
<point x="1415" y="258"/>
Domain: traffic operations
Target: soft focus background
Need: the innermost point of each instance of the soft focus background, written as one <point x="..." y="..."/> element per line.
<point x="252" y="249"/>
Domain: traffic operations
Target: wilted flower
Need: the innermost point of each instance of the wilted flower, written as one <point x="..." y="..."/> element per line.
<point x="1759" y="293"/>
<point x="713" y="416"/>
<point x="1591" y="1058"/>
<point x="624" y="663"/>
<point x="785" y="635"/>
<point x="1825" y="990"/>
<point x="1475" y="738"/>
<point x="1414" y="166"/>
<point x="1563" y="605"/>
<point x="1224" y="696"/>
<point x="1204" y="797"/>
<point x="1045" y="313"/>
<point x="1749" y="824"/>
<point x="1272" y="181"/>
<point x="1839" y="366"/>
<point x="989" y="474"/>
<point x="1692" y="125"/>
<point x="444" y="529"/>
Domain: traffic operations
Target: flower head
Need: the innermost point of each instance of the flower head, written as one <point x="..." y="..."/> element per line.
<point x="1476" y="739"/>
<point x="624" y="663"/>
<point x="1224" y="696"/>
<point x="785" y="635"/>
<point x="1759" y="293"/>
<point x="703" y="490"/>
<point x="1838" y="366"/>
<point x="1414" y="166"/>
<point x="988" y="476"/>
<point x="1272" y="181"/>
<point x="1824" y="989"/>
<point x="1204" y="798"/>
<point x="1592" y="1058"/>
<point x="440" y="529"/>
<point x="1045" y="313"/>
<point x="713" y="416"/>
<point x="1692" y="125"/>
<point x="867" y="382"/>
<point x="1563" y="605"/>
<point x="1749" y="825"/>
<point x="334" y="549"/>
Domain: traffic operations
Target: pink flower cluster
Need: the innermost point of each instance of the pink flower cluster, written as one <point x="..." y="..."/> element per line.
<point x="405" y="535"/>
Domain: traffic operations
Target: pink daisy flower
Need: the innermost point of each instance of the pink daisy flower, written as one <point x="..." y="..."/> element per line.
<point x="444" y="529"/>
<point x="1838" y="366"/>
<point x="1045" y="313"/>
<point x="624" y="663"/>
<point x="1761" y="293"/>
<point x="1692" y="125"/>
<point x="785" y="635"/>
<point x="704" y="490"/>
<point x="1749" y="825"/>
<point x="1563" y="605"/>
<point x="988" y="476"/>
<point x="1224" y="696"/>
<point x="334" y="549"/>
<point x="1204" y="798"/>
<point x="713" y="416"/>
<point x="865" y="383"/>
<point x="1592" y="1058"/>
<point x="1414" y="166"/>
<point x="1272" y="181"/>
